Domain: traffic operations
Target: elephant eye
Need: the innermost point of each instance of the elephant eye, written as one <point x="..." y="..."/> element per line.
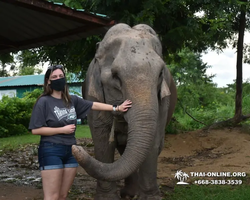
<point x="115" y="76"/>
<point x="160" y="78"/>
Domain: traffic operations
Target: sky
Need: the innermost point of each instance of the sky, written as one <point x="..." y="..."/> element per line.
<point x="223" y="65"/>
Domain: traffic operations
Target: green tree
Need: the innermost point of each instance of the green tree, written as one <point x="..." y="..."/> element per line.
<point x="5" y="59"/>
<point x="232" y="16"/>
<point x="227" y="22"/>
<point x="195" y="87"/>
<point x="176" y="22"/>
<point x="75" y="56"/>
<point x="29" y="71"/>
<point x="241" y="29"/>
<point x="188" y="68"/>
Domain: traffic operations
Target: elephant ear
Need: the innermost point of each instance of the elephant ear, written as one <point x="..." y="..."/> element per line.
<point x="171" y="90"/>
<point x="165" y="84"/>
<point x="95" y="88"/>
<point x="164" y="89"/>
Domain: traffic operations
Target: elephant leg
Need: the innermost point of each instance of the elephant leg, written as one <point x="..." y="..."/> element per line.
<point x="104" y="152"/>
<point x="148" y="187"/>
<point x="130" y="188"/>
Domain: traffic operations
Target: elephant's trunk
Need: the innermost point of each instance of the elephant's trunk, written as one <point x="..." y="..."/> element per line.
<point x="141" y="132"/>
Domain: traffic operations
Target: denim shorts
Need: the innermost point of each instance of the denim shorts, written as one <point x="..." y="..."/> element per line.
<point x="55" y="156"/>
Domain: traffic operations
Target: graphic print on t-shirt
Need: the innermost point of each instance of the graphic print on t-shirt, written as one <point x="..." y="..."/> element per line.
<point x="64" y="112"/>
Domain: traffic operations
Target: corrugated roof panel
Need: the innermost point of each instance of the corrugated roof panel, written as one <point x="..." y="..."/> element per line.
<point x="29" y="80"/>
<point x="28" y="24"/>
<point x="46" y="24"/>
<point x="21" y="80"/>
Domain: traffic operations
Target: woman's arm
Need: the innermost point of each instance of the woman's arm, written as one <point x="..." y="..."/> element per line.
<point x="107" y="107"/>
<point x="47" y="131"/>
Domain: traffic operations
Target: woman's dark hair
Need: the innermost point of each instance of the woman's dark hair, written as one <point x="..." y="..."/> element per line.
<point x="47" y="89"/>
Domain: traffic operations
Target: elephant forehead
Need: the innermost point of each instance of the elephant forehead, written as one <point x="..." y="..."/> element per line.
<point x="124" y="29"/>
<point x="126" y="53"/>
<point x="132" y="40"/>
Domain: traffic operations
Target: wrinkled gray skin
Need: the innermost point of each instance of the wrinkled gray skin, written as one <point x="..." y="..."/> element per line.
<point x="128" y="65"/>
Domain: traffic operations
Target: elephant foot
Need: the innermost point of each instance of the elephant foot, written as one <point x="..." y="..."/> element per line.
<point x="128" y="192"/>
<point x="103" y="196"/>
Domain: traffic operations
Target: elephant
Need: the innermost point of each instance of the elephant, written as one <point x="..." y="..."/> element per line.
<point x="128" y="64"/>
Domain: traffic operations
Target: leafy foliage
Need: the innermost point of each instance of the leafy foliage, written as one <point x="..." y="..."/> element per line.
<point x="200" y="102"/>
<point x="192" y="113"/>
<point x="6" y="58"/>
<point x="15" y="114"/>
<point x="74" y="56"/>
<point x="197" y="25"/>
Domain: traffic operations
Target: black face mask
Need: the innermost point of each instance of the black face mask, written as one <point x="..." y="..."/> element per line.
<point x="58" y="84"/>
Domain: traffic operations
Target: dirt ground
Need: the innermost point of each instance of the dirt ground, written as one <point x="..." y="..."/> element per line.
<point x="223" y="150"/>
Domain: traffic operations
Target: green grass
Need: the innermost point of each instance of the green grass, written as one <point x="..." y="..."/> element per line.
<point x="83" y="131"/>
<point x="14" y="142"/>
<point x="212" y="192"/>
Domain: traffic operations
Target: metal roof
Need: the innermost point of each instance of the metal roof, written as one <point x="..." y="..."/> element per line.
<point x="33" y="23"/>
<point x="29" y="80"/>
<point x="21" y="80"/>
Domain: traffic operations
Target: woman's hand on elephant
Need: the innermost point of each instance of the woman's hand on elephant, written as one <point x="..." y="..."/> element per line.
<point x="125" y="106"/>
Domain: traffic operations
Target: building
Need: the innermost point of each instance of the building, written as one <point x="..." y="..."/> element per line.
<point x="16" y="86"/>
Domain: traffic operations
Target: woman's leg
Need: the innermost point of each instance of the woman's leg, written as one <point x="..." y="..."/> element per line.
<point x="52" y="182"/>
<point x="67" y="180"/>
<point x="58" y="169"/>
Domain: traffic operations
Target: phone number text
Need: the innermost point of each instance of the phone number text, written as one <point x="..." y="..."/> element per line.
<point x="218" y="182"/>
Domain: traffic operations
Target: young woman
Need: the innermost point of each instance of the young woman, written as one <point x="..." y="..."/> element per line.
<point x="54" y="117"/>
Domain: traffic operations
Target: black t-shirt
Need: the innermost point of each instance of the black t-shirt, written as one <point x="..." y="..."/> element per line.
<point x="52" y="112"/>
